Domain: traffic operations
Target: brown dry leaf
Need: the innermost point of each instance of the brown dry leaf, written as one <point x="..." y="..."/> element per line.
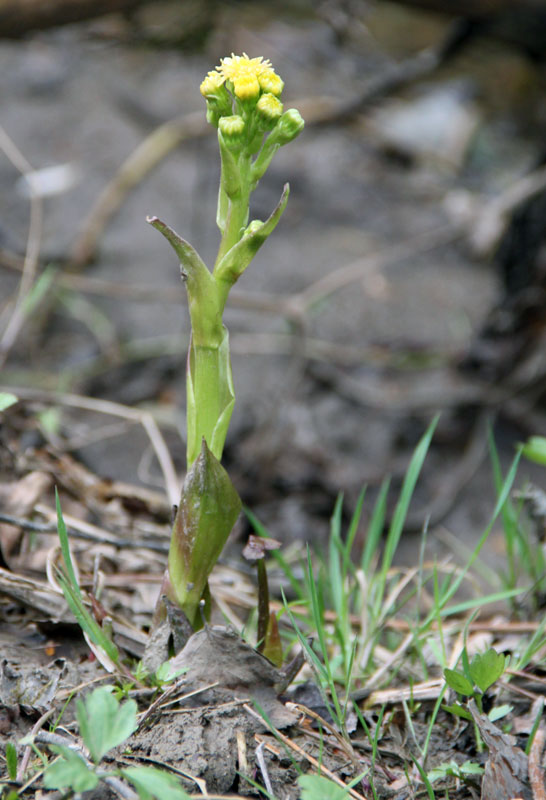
<point x="218" y="655"/>
<point x="506" y="772"/>
<point x="19" y="499"/>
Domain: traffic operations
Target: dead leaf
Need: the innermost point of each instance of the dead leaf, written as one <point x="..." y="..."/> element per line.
<point x="506" y="772"/>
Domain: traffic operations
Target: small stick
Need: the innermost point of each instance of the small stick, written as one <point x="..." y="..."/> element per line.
<point x="536" y="773"/>
<point x="263" y="767"/>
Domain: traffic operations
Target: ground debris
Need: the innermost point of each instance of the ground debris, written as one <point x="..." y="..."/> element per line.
<point x="506" y="770"/>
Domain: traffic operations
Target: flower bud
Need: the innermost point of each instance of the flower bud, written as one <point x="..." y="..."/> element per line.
<point x="253" y="227"/>
<point x="212" y="84"/>
<point x="289" y="126"/>
<point x="269" y="110"/>
<point x="271" y="82"/>
<point x="233" y="130"/>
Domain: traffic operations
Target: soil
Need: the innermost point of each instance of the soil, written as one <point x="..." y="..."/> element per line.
<point x="369" y="310"/>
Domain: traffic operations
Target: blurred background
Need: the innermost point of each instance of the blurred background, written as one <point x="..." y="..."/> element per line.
<point x="407" y="277"/>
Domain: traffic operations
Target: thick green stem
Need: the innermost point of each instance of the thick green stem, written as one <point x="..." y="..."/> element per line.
<point x="210" y="397"/>
<point x="237" y="215"/>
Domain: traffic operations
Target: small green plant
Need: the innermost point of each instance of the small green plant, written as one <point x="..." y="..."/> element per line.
<point x="473" y="681"/>
<point x="467" y="772"/>
<point x="104" y="724"/>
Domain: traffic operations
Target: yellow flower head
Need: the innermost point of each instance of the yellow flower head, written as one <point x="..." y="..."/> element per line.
<point x="250" y="76"/>
<point x="211" y="83"/>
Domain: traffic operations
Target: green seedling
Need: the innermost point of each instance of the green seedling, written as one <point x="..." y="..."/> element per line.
<point x="105" y="724"/>
<point x="466" y="773"/>
<point x="474" y="680"/>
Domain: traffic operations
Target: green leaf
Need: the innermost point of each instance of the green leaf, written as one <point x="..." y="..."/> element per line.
<point x="486" y="668"/>
<point x="535" y="449"/>
<point x="209" y="507"/>
<point x="499" y="712"/>
<point x="65" y="549"/>
<point x="84" y="619"/>
<point x="470" y="768"/>
<point x="458" y="711"/>
<point x="104" y="723"/>
<point x="317" y="787"/>
<point x="70" y="771"/>
<point x="203" y="299"/>
<point x="151" y="782"/>
<point x="11" y="760"/>
<point x="236" y="260"/>
<point x="7" y="399"/>
<point x="458" y="682"/>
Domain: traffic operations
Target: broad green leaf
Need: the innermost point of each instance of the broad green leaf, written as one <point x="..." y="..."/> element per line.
<point x="154" y="783"/>
<point x="70" y="771"/>
<point x="104" y="723"/>
<point x="209" y="507"/>
<point x="486" y="668"/>
<point x="7" y="399"/>
<point x="456" y="680"/>
<point x="317" y="787"/>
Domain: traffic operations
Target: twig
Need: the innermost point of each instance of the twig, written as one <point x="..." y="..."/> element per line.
<point x="301" y="752"/>
<point x="116" y="410"/>
<point x="263" y="767"/>
<point x="26" y="754"/>
<point x="141" y="161"/>
<point x="493" y="219"/>
<point x="86" y="535"/>
<point x="30" y="264"/>
<point x="536" y="773"/>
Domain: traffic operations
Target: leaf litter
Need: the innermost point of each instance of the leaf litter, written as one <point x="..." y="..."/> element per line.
<point x="231" y="720"/>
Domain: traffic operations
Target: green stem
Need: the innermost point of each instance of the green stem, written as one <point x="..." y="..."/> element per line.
<point x="237" y="215"/>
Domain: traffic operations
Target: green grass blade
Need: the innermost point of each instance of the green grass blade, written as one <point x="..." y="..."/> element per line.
<point x="65" y="549"/>
<point x="454" y="585"/>
<point x="375" y="528"/>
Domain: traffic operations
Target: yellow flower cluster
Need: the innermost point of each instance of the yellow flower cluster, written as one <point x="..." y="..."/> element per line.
<point x="248" y="77"/>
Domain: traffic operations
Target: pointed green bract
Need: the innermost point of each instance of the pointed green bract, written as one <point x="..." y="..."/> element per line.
<point x="209" y="507"/>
